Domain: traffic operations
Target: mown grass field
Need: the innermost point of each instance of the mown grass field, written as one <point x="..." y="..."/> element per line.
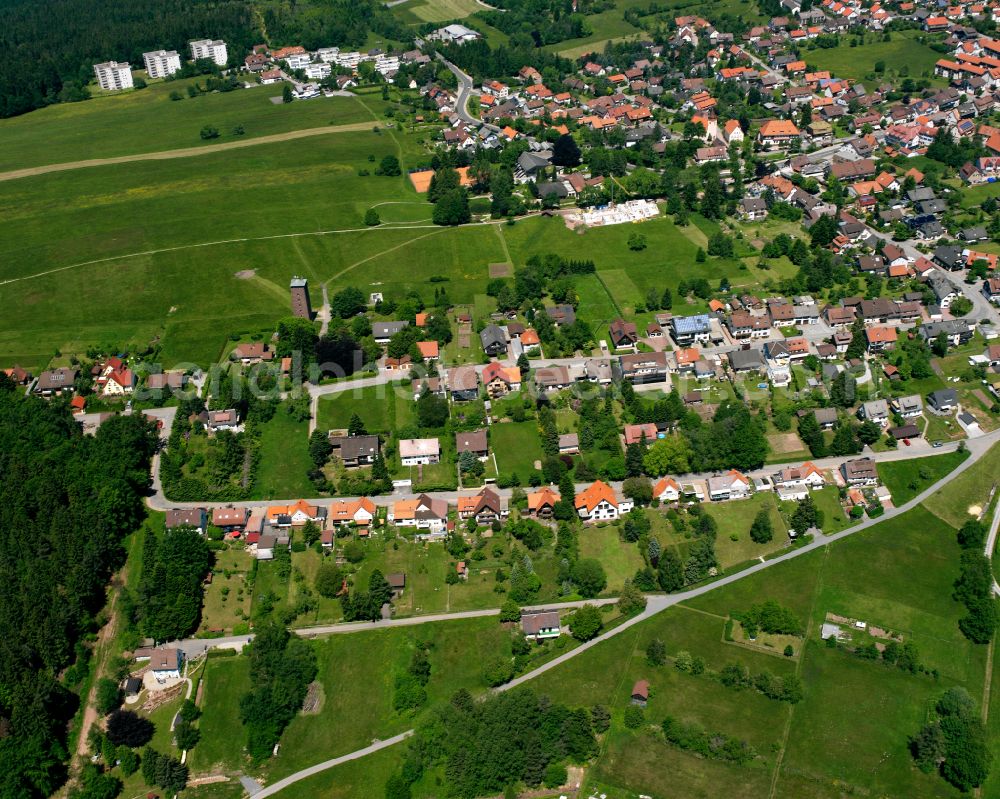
<point x="516" y="446"/>
<point x="857" y="62"/>
<point x="419" y="11"/>
<point x="148" y="120"/>
<point x="357" y="673"/>
<point x="611" y="24"/>
<point x="849" y="735"/>
<point x="906" y="479"/>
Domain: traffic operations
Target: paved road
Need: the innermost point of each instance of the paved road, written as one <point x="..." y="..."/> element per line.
<point x="991" y="542"/>
<point x="465" y="89"/>
<point x="658" y="603"/>
<point x="192" y="647"/>
<point x="270" y="790"/>
<point x="919" y="449"/>
<point x="185" y="152"/>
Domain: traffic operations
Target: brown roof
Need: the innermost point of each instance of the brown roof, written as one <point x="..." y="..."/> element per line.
<point x="534" y="623"/>
<point x="474" y="441"/>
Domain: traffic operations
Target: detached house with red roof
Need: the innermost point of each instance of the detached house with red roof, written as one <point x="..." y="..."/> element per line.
<point x="777" y="133"/>
<point x="667" y="490"/>
<point x="600" y="503"/>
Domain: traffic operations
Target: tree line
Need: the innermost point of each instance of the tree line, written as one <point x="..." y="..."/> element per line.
<point x="43" y="63"/>
<point x="66" y="503"/>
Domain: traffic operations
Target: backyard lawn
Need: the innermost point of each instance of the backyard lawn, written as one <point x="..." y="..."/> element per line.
<point x="516" y="446"/>
<point x="225" y="680"/>
<point x="620" y="559"/>
<point x="383" y="408"/>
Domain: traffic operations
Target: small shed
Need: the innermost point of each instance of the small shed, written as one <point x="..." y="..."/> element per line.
<point x="640" y="693"/>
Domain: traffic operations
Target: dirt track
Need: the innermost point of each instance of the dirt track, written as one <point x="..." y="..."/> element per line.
<point x="185" y="152"/>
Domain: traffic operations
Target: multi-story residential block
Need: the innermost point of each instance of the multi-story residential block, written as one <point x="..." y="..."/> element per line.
<point x="161" y="63"/>
<point x="214" y="49"/>
<point x="113" y="76"/>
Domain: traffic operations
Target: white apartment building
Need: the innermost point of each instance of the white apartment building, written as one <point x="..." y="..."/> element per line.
<point x="349" y="60"/>
<point x="161" y="63"/>
<point x="113" y="76"/>
<point x="318" y="71"/>
<point x="328" y="54"/>
<point x="386" y="63"/>
<point x="298" y="60"/>
<point x="208" y="48"/>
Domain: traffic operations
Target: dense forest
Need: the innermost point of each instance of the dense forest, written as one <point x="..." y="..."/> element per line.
<point x="66" y="503"/>
<point x="43" y="63"/>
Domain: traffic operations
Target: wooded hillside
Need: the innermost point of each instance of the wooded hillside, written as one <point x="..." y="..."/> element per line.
<point x="66" y="503"/>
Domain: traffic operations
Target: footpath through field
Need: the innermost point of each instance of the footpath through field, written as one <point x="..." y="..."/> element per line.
<point x="185" y="152"/>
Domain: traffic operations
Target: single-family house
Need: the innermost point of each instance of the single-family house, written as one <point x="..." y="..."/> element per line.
<point x="356" y="451"/>
<point x="473" y="441"/>
<point x="944" y="400"/>
<point x="360" y="512"/>
<point x="541" y="503"/>
<point x="731" y="485"/>
<point x="876" y="410"/>
<point x="419" y="451"/>
<point x="909" y="406"/>
<point x="485" y="507"/>
<point x="598" y="502"/>
<point x="428" y="516"/>
<point x="494" y="340"/>
<point x="463" y="383"/>
<point x="860" y="471"/>
<point x="196" y="518"/>
<point x="644" y="367"/>
<point x="500" y="380"/>
<point x="541" y="625"/>
<point x="667" y="490"/>
<point x="230" y="520"/>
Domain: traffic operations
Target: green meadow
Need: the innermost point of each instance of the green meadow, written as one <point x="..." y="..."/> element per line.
<point x="190" y="251"/>
<point x="148" y="120"/>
